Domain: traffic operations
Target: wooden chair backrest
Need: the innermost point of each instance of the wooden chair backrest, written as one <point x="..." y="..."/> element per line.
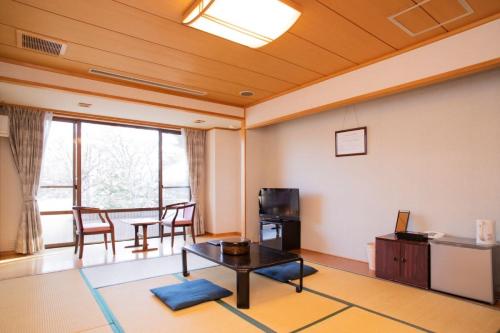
<point x="183" y="210"/>
<point x="188" y="211"/>
<point x="78" y="211"/>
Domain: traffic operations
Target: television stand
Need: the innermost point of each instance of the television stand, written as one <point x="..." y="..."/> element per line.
<point x="279" y="234"/>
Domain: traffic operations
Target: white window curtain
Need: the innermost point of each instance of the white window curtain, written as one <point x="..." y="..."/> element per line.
<point x="195" y="149"/>
<point x="28" y="129"/>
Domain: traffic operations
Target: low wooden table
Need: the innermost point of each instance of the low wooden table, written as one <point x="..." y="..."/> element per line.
<point x="259" y="257"/>
<point x="144" y="223"/>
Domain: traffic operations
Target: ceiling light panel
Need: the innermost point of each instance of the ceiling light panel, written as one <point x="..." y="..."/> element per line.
<point x="253" y="23"/>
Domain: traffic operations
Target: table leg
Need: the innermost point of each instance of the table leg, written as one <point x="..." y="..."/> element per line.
<point x="184" y="263"/>
<point x="136" y="237"/>
<point x="144" y="237"/>
<point x="299" y="288"/>
<point x="243" y="289"/>
<point x="145" y="247"/>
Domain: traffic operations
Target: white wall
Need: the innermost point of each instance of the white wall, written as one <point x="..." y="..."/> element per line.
<point x="223" y="213"/>
<point x="257" y="168"/>
<point x="434" y="151"/>
<point x="10" y="198"/>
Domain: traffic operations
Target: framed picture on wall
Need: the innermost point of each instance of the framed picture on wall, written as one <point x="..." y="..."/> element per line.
<point x="351" y="142"/>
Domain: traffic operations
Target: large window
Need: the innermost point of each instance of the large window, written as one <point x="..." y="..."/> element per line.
<point x="57" y="186"/>
<point x="119" y="168"/>
<point x="56" y="181"/>
<point x="175" y="169"/>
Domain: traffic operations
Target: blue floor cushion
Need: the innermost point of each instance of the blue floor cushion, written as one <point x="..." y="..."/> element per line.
<point x="285" y="272"/>
<point x="189" y="293"/>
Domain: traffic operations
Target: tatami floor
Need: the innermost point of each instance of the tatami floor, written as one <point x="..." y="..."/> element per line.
<point x="117" y="298"/>
<point x="343" y="306"/>
<point x="60" y="259"/>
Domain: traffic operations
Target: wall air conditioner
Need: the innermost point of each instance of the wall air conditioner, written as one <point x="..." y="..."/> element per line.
<point x="4" y="126"/>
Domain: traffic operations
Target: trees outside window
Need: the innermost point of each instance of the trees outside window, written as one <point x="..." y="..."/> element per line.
<point x="57" y="190"/>
<point x="120" y="168"/>
<point x="56" y="180"/>
<point x="175" y="169"/>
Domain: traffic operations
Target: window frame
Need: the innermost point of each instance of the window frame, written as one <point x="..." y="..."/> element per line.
<point x="74" y="185"/>
<point x="160" y="159"/>
<point x="77" y="170"/>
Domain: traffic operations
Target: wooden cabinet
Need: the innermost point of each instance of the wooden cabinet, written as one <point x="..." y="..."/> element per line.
<point x="402" y="261"/>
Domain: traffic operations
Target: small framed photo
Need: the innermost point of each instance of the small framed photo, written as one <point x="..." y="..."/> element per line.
<point x="351" y="142"/>
<point x="402" y="221"/>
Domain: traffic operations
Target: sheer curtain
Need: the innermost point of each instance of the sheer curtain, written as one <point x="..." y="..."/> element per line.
<point x="195" y="148"/>
<point x="28" y="129"/>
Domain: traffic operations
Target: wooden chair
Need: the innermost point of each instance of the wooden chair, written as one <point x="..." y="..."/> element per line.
<point x="104" y="227"/>
<point x="183" y="217"/>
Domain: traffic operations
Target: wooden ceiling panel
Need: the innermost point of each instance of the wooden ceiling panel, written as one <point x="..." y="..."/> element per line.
<point x="372" y="15"/>
<point x="80" y="69"/>
<point x="443" y="10"/>
<point x="7" y="35"/>
<point x="102" y="59"/>
<point x="302" y="52"/>
<point x="288" y="47"/>
<point x="418" y="20"/>
<point x="172" y="10"/>
<point x="31" y="19"/>
<point x="139" y="24"/>
<point x="325" y="27"/>
<point x="145" y="38"/>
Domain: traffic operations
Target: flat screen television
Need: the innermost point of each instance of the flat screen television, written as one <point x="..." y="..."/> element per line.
<point x="279" y="204"/>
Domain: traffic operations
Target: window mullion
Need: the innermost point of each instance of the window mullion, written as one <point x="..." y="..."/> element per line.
<point x="78" y="163"/>
<point x="160" y="173"/>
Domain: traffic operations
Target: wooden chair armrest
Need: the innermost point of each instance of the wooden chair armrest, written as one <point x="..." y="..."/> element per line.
<point x="175" y="205"/>
<point x="185" y="205"/>
<point x="172" y="207"/>
<point x="106" y="215"/>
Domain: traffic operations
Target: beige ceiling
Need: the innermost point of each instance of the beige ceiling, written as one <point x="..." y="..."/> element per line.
<point x="144" y="38"/>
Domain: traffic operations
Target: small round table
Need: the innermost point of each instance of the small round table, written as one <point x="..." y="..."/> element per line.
<point x="144" y="223"/>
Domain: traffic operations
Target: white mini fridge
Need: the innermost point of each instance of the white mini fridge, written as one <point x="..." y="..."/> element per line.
<point x="461" y="267"/>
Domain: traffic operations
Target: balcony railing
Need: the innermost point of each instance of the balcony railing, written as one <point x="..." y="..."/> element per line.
<point x="59" y="226"/>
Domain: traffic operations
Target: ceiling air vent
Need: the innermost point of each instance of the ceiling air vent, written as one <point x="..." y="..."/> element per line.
<point x="42" y="44"/>
<point x="121" y="77"/>
<point x="457" y="8"/>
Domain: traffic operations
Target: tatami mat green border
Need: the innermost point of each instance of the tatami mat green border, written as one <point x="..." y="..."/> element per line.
<point x="349" y="304"/>
<point x="108" y="314"/>
<point x="322" y="319"/>
<point x="115" y="325"/>
<point x="451" y="296"/>
<point x="234" y="310"/>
